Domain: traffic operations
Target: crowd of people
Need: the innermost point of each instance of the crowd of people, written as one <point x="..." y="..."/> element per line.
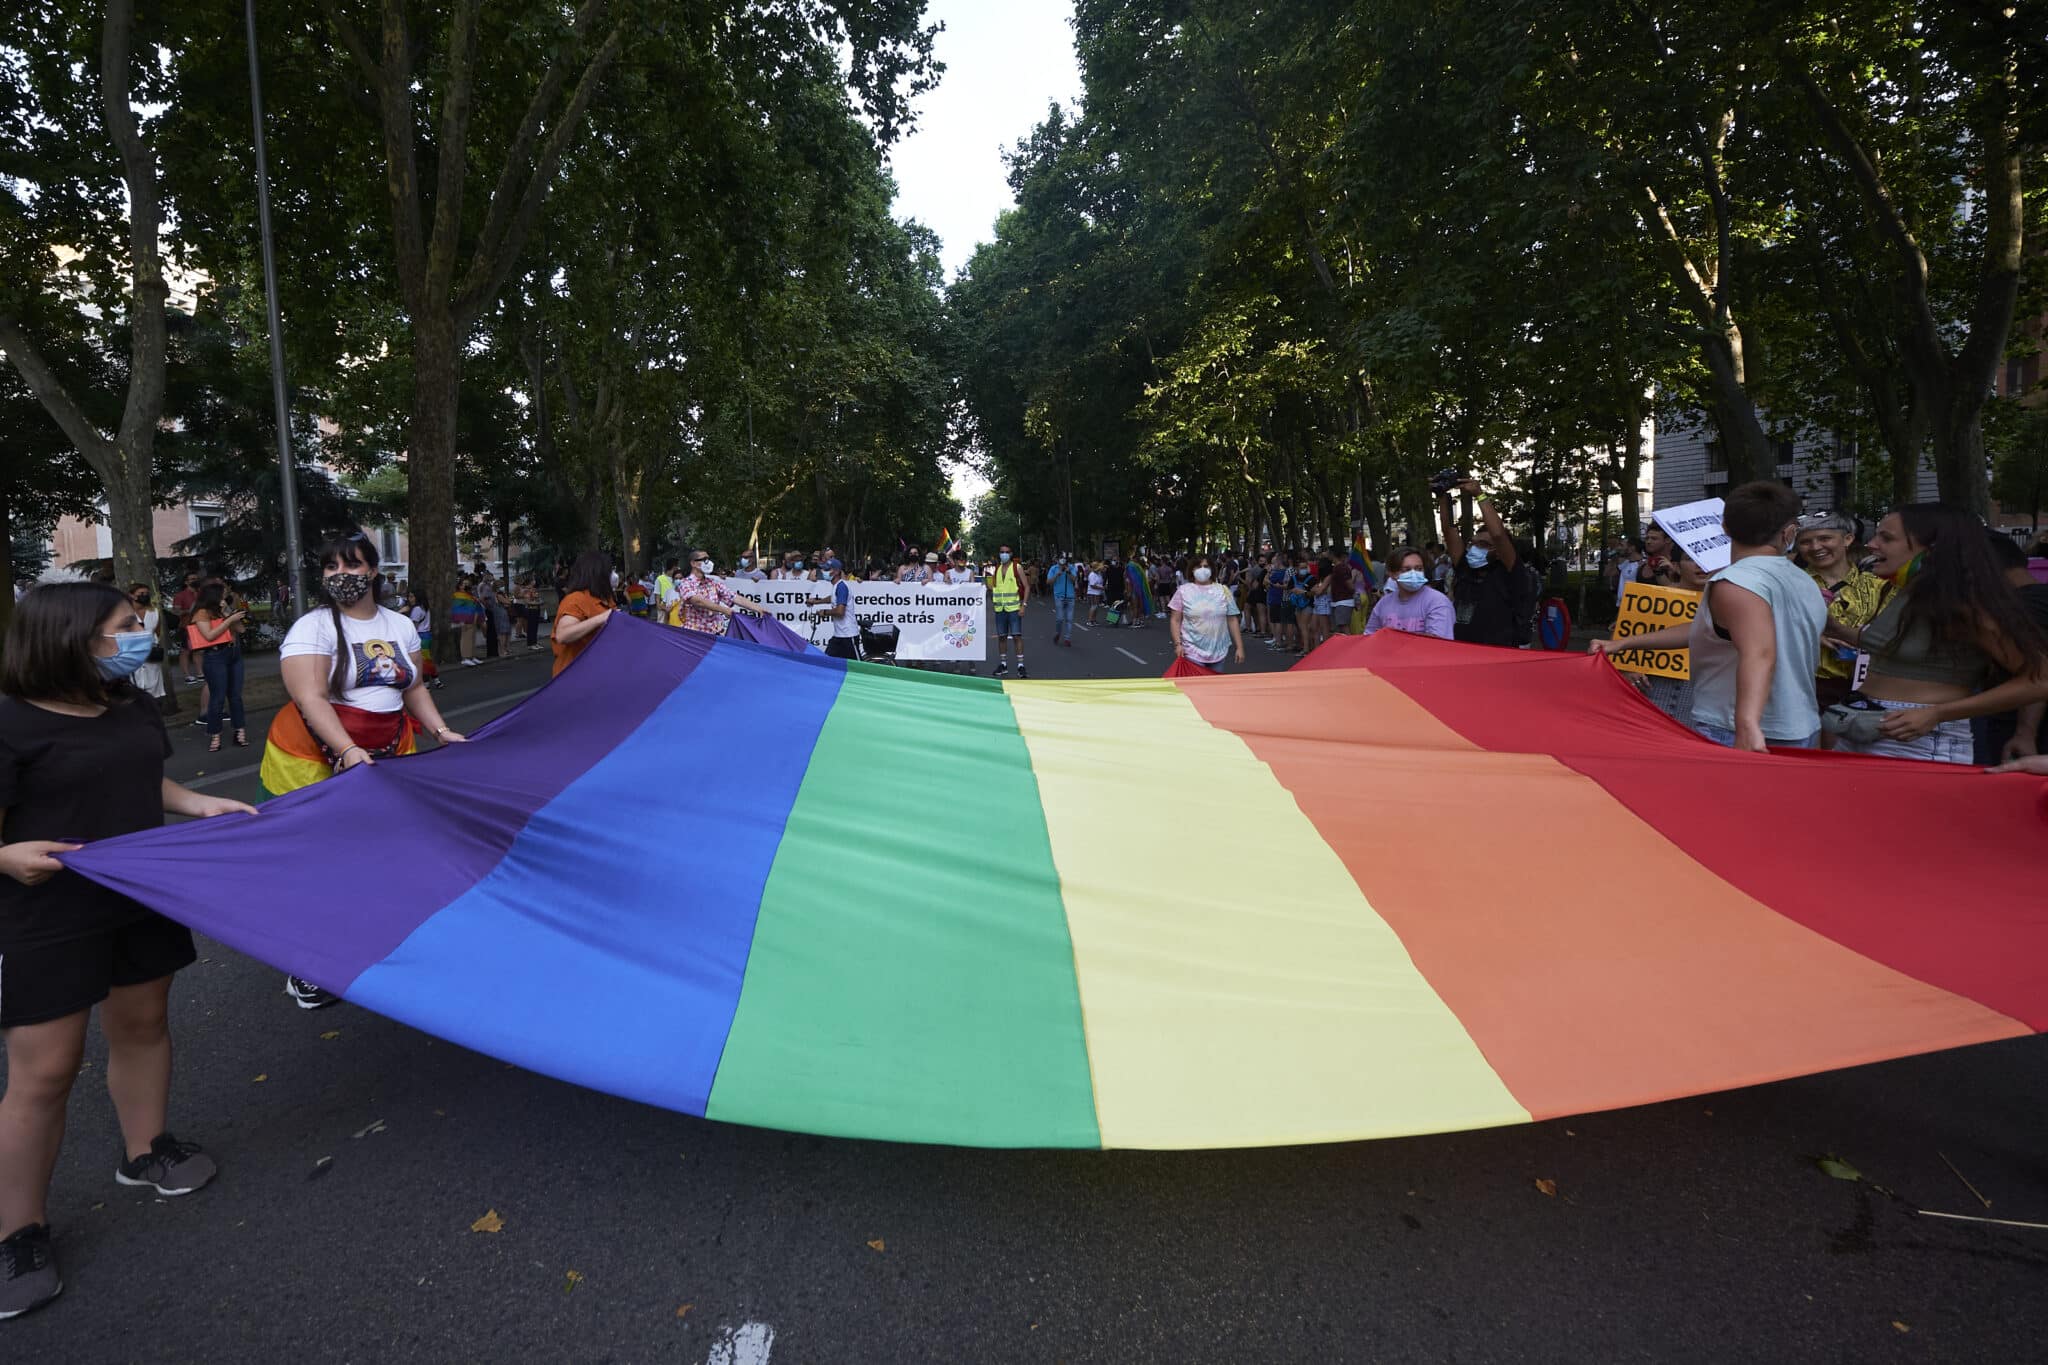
<point x="1929" y="641"/>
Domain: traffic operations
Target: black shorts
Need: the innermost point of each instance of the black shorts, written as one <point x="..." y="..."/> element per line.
<point x="52" y="980"/>
<point x="841" y="647"/>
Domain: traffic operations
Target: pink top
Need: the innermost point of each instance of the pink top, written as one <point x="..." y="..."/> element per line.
<point x="1427" y="612"/>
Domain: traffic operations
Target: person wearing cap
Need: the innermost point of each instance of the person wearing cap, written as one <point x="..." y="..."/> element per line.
<point x="1826" y="546"/>
<point x="706" y="603"/>
<point x="838" y="609"/>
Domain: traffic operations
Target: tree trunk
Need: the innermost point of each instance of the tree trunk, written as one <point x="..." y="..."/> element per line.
<point x="629" y="489"/>
<point x="1630" y="466"/>
<point x="1748" y="450"/>
<point x="7" y="550"/>
<point x="430" y="470"/>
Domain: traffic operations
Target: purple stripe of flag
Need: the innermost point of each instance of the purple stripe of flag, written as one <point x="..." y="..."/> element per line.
<point x="414" y="834"/>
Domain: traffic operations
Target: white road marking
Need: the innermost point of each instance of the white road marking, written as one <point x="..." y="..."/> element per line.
<point x="747" y="1344"/>
<point x="1132" y="657"/>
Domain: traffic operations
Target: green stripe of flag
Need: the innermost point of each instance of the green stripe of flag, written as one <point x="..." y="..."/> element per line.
<point x="911" y="956"/>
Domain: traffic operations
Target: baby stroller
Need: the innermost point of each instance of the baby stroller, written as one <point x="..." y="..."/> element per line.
<point x="878" y="643"/>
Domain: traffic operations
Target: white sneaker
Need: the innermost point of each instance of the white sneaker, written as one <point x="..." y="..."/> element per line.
<point x="469" y="663"/>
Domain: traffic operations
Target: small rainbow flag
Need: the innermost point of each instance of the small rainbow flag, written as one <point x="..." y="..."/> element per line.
<point x="1141" y="592"/>
<point x="1361" y="560"/>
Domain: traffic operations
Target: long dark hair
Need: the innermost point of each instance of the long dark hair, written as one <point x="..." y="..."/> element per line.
<point x="591" y="573"/>
<point x="337" y="551"/>
<point x="49" y="645"/>
<point x="213" y="596"/>
<point x="1959" y="586"/>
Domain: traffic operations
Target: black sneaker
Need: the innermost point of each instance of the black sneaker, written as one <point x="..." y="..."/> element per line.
<point x="28" y="1271"/>
<point x="169" y="1167"/>
<point x="307" y="995"/>
<point x="1023" y="672"/>
<point x="1002" y="668"/>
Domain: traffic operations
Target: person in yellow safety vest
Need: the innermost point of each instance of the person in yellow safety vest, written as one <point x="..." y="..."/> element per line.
<point x="1008" y="591"/>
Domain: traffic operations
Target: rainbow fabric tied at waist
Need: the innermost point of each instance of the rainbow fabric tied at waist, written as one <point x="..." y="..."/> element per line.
<point x="294" y="757"/>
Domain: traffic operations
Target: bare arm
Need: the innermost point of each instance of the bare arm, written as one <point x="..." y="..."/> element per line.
<point x="182" y="800"/>
<point x="1504" y="551"/>
<point x="570" y="629"/>
<point x="1748" y="621"/>
<point x="420" y="703"/>
<point x="1448" y="522"/>
<point x="1670" y="637"/>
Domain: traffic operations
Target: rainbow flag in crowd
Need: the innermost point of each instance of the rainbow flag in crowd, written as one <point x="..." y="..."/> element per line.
<point x="635" y="594"/>
<point x="945" y="544"/>
<point x="464" y="609"/>
<point x="1059" y="963"/>
<point x="1140" y="591"/>
<point x="1361" y="560"/>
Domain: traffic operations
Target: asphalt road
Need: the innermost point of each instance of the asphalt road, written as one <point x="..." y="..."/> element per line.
<point x="357" y="1155"/>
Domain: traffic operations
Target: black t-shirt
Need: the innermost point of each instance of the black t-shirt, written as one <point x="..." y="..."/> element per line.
<point x="75" y="778"/>
<point x="1485" y="602"/>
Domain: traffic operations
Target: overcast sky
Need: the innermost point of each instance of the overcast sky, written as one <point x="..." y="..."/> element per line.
<point x="1006" y="60"/>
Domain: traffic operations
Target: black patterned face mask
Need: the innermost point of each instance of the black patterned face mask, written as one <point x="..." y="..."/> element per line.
<point x="348" y="588"/>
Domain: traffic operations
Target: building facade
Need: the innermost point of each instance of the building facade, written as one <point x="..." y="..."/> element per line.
<point x="1688" y="463"/>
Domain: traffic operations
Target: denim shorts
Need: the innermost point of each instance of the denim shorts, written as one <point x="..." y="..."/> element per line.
<point x="1009" y="623"/>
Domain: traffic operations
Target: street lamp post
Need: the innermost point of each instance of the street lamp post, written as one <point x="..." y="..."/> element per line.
<point x="288" y="478"/>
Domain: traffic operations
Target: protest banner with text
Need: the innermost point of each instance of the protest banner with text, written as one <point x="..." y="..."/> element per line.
<point x="1646" y="607"/>
<point x="1697" y="527"/>
<point x="932" y="620"/>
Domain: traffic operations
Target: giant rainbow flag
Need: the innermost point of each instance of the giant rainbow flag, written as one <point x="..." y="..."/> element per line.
<point x="1417" y="886"/>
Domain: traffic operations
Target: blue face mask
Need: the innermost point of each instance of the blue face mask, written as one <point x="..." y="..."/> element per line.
<point x="1413" y="581"/>
<point x="1476" y="556"/>
<point x="131" y="651"/>
<point x="1004" y="555"/>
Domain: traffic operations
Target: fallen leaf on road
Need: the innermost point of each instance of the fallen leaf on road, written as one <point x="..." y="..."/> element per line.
<point x="1548" y="1187"/>
<point x="877" y="1245"/>
<point x="330" y="1035"/>
<point x="253" y="1080"/>
<point x="1900" y="1325"/>
<point x="490" y="1222"/>
<point x="575" y="1277"/>
<point x="321" y="1167"/>
<point x="97" y="1207"/>
<point x="1838" y="1168"/>
<point x="684" y="1311"/>
<point x="376" y="1126"/>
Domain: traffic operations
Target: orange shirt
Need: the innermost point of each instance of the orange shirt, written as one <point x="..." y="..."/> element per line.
<point x="582" y="606"/>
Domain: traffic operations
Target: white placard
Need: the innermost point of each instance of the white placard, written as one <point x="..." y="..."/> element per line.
<point x="1696" y="526"/>
<point x="932" y="620"/>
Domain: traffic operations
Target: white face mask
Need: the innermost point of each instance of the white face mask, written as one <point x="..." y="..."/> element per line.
<point x="1202" y="575"/>
<point x="704" y="566"/>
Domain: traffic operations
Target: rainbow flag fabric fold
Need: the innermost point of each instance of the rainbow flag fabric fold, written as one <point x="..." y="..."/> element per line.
<point x="1140" y="590"/>
<point x="1485" y="920"/>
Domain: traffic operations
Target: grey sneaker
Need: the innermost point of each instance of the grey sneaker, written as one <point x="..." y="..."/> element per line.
<point x="28" y="1271"/>
<point x="169" y="1167"/>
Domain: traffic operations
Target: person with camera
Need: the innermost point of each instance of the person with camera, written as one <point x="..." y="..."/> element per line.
<point x="1483" y="583"/>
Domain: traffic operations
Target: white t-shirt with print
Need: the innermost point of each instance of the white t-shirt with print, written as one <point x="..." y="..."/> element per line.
<point x="382" y="649"/>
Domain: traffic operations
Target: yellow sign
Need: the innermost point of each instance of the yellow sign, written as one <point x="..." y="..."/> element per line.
<point x="1646" y="607"/>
